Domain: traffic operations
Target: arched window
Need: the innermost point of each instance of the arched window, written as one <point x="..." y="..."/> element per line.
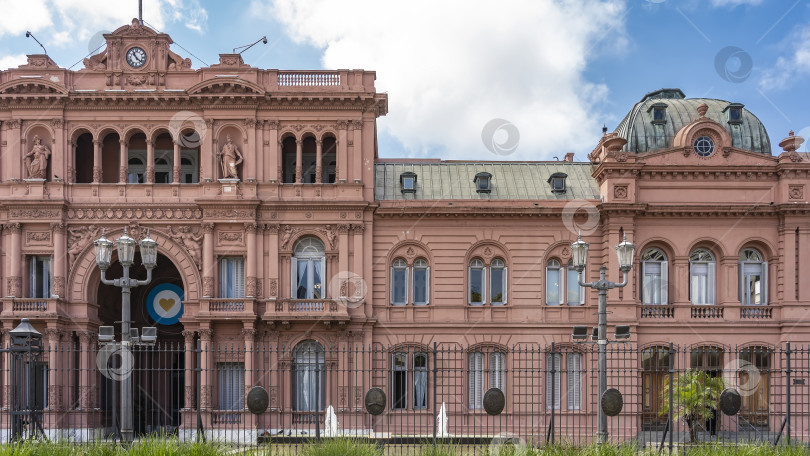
<point x="476" y="287"/>
<point x="655" y="282"/>
<point x="308" y="269"/>
<point x="401" y="388"/>
<point x="496" y="370"/>
<point x="288" y="158"/>
<point x="421" y="282"/>
<point x="575" y="294"/>
<point x="573" y="380"/>
<point x="753" y="282"/>
<point x="399" y="282"/>
<point x="136" y="170"/>
<point x="497" y="282"/>
<point x="702" y="283"/>
<point x="308" y="385"/>
<point x="554" y="283"/>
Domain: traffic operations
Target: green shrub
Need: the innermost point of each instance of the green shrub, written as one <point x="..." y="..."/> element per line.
<point x="342" y="446"/>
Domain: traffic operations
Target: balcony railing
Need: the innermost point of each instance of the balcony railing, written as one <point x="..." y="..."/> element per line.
<point x="308" y="78"/>
<point x="227" y="307"/>
<point x="756" y="312"/>
<point x="707" y="312"/>
<point x="307" y="309"/>
<point x="657" y="311"/>
<point x="32" y="307"/>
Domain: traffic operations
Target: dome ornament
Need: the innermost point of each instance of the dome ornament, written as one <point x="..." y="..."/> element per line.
<point x="702" y="108"/>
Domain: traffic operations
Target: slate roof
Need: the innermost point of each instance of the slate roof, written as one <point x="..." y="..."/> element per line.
<point x="643" y="136"/>
<point x="510" y="180"/>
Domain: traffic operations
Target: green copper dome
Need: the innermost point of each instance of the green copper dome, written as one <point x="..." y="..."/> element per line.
<point x="654" y="121"/>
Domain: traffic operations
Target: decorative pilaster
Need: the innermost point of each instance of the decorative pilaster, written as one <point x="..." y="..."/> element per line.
<point x="188" y="338"/>
<point x="207" y="366"/>
<point x="123" y="161"/>
<point x="59" y="263"/>
<point x="208" y="262"/>
<point x="150" y="161"/>
<point x="298" y="159"/>
<point x="318" y="161"/>
<point x="14" y="279"/>
<point x="250" y="267"/>
<point x="176" y="162"/>
<point x="97" y="161"/>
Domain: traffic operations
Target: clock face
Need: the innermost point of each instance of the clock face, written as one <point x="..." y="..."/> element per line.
<point x="136" y="57"/>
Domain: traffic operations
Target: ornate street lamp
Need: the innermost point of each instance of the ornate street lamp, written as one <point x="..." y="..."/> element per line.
<point x="579" y="252"/>
<point x="126" y="256"/>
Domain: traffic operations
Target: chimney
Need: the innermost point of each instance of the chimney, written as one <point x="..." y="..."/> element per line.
<point x="569" y="157"/>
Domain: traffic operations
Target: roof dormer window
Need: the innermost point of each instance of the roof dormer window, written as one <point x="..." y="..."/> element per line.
<point x="407" y="181"/>
<point x="483" y="182"/>
<point x="658" y="112"/>
<point x="734" y="113"/>
<point x="557" y="181"/>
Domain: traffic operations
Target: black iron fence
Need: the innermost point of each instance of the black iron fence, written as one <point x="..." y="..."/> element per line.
<point x="410" y="395"/>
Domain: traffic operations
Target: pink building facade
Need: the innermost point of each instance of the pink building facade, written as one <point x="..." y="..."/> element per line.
<point x="281" y="227"/>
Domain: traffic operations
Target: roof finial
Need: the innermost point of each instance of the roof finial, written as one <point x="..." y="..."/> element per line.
<point x="702" y="108"/>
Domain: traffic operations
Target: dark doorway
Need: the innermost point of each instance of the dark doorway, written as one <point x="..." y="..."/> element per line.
<point x="158" y="372"/>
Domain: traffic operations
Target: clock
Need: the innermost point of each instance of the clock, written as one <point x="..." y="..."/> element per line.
<point x="136" y="57"/>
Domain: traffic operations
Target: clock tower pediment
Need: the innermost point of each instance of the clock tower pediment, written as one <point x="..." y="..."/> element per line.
<point x="134" y="51"/>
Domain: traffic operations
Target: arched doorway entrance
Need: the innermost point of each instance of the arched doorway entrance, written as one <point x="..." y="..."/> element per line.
<point x="158" y="373"/>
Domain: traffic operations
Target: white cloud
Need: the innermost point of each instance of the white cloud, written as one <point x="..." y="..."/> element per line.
<point x="791" y="67"/>
<point x="64" y="22"/>
<point x="449" y="67"/>
<point x="735" y="3"/>
<point x="12" y="61"/>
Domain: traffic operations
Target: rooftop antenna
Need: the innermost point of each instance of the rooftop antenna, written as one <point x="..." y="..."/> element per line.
<point x="248" y="46"/>
<point x="140" y="12"/>
<point x="31" y="35"/>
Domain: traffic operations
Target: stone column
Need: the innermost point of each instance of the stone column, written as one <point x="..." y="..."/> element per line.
<point x="97" y="177"/>
<point x="357" y="151"/>
<point x="318" y="161"/>
<point x="249" y="335"/>
<point x="343" y="258"/>
<point x="55" y="374"/>
<point x="342" y="151"/>
<point x="208" y="260"/>
<point x="250" y="150"/>
<point x="207" y="366"/>
<point x="176" y="163"/>
<point x="272" y="170"/>
<point x="206" y="153"/>
<point x="271" y="272"/>
<point x="14" y="279"/>
<point x="59" y="152"/>
<point x="190" y="381"/>
<point x="123" y="162"/>
<point x="150" y="161"/>
<point x="250" y="261"/>
<point x="298" y="161"/>
<point x="85" y="339"/>
<point x="60" y="260"/>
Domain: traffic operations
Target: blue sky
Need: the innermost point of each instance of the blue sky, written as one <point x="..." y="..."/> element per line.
<point x="556" y="70"/>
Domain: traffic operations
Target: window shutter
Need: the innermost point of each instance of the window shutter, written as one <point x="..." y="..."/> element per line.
<point x="391" y="286"/>
<point x="223" y="278"/>
<point x="476" y="380"/>
<point x="664" y="282"/>
<point x="573" y="378"/>
<point x="239" y="277"/>
<point x="555" y="401"/>
<point x="764" y="291"/>
<point x="484" y="282"/>
<point x="505" y="278"/>
<point x="294" y="278"/>
<point x="496" y="370"/>
<point x="741" y="282"/>
<point x="427" y="286"/>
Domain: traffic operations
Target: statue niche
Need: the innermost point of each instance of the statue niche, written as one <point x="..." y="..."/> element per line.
<point x="36" y="160"/>
<point x="230" y="158"/>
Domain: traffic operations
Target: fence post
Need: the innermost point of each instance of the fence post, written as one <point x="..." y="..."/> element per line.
<point x="550" y="437"/>
<point x="787" y="384"/>
<point x="198" y="370"/>
<point x="435" y="373"/>
<point x="671" y="386"/>
<point x="318" y="396"/>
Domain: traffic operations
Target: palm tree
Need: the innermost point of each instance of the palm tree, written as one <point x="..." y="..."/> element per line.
<point x="694" y="398"/>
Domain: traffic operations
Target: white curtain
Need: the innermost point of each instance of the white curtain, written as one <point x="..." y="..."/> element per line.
<point x="302" y="292"/>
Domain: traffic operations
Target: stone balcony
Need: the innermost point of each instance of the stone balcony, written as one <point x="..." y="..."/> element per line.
<point x="33" y="308"/>
<point x="287" y="311"/>
<point x="726" y="312"/>
<point x="227" y="309"/>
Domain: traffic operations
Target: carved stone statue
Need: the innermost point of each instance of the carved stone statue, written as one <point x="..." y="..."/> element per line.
<point x="80" y="238"/>
<point x="36" y="160"/>
<point x="230" y="159"/>
<point x="190" y="241"/>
